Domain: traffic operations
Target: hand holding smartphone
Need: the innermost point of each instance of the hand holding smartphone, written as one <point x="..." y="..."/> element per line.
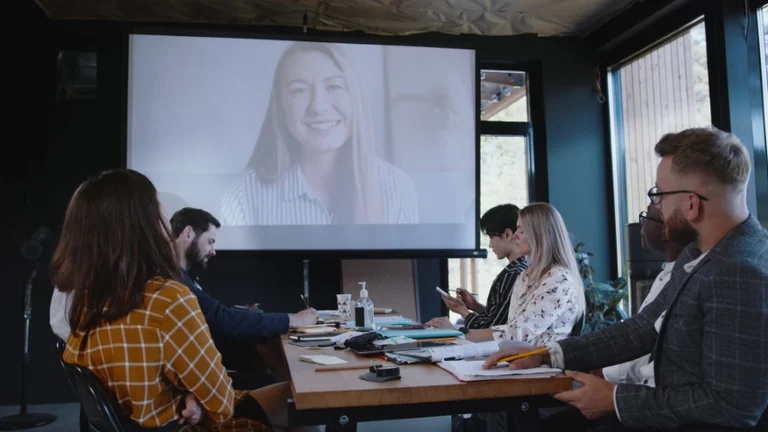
<point x="441" y="291"/>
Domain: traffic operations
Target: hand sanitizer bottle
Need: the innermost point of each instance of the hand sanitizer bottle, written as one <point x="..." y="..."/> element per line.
<point x="364" y="309"/>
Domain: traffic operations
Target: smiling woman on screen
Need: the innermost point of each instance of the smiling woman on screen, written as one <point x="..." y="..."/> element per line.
<point x="313" y="162"/>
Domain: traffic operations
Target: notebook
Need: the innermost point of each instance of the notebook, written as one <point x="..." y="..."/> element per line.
<point x="315" y="336"/>
<point x="472" y="370"/>
<point x="423" y="334"/>
<point x="385" y="321"/>
<point x="321" y="359"/>
<point x="456" y="352"/>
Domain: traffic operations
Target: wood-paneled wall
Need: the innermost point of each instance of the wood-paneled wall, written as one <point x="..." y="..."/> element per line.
<point x="657" y="97"/>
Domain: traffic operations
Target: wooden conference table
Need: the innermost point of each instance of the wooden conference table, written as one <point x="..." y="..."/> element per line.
<point x="340" y="399"/>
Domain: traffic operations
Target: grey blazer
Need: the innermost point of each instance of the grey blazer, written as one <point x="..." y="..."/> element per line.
<point x="711" y="352"/>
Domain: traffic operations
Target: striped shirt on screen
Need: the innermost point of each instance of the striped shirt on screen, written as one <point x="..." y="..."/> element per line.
<point x="290" y="201"/>
<point x="148" y="359"/>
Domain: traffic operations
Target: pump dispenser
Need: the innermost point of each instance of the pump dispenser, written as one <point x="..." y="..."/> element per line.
<point x="364" y="309"/>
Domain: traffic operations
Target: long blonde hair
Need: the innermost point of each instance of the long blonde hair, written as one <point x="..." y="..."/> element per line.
<point x="276" y="150"/>
<point x="550" y="245"/>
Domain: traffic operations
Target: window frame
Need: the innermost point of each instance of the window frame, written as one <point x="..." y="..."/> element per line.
<point x="533" y="130"/>
<point x="646" y="26"/>
<point x="616" y="142"/>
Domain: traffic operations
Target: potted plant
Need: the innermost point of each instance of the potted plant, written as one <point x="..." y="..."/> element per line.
<point x="606" y="301"/>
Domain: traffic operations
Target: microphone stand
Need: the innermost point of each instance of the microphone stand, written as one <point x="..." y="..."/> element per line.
<point x="25" y="420"/>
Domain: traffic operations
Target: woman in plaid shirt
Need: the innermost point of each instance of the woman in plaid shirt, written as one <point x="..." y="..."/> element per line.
<point x="139" y="330"/>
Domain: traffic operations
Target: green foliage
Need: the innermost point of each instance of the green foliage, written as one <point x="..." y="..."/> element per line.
<point x="605" y="300"/>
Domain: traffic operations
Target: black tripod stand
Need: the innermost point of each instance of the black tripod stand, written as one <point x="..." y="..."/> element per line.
<point x="32" y="251"/>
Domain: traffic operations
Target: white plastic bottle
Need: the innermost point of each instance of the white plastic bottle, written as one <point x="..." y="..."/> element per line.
<point x="364" y="309"/>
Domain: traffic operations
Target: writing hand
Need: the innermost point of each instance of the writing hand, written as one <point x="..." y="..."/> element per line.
<point x="307" y="317"/>
<point x="508" y="348"/>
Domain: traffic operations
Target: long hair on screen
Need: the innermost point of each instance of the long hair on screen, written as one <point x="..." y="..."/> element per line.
<point x="277" y="151"/>
<point x="115" y="238"/>
<point x="550" y="245"/>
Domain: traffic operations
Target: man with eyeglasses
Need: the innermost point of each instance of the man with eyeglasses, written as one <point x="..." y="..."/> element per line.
<point x="707" y="331"/>
<point x="652" y="238"/>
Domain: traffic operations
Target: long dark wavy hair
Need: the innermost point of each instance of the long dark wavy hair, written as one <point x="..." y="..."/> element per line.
<point x="114" y="240"/>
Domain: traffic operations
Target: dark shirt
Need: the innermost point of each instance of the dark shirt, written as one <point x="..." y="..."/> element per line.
<point x="229" y="324"/>
<point x="497" y="308"/>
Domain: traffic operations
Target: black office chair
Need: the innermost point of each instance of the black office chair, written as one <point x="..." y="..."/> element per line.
<point x="102" y="417"/>
<point x="579" y="325"/>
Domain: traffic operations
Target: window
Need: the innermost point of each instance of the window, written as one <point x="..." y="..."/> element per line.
<point x="504" y="96"/>
<point x="504" y="168"/>
<point x="76" y="75"/>
<point x="663" y="90"/>
<point x="762" y="22"/>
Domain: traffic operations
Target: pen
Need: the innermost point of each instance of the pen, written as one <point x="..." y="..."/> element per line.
<point x="304" y="299"/>
<point x="522" y="355"/>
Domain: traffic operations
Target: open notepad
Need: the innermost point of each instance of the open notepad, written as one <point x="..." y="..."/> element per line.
<point x="472" y="370"/>
<point x="455" y="352"/>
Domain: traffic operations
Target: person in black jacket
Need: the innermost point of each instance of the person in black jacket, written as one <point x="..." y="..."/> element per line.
<point x="499" y="225"/>
<point x="245" y="338"/>
<point x="195" y="238"/>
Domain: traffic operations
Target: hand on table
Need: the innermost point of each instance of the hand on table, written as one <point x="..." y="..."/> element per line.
<point x="307" y="317"/>
<point x="594" y="398"/>
<point x="440" y="323"/>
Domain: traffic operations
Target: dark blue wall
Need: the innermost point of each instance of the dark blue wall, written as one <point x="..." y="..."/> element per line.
<point x="578" y="170"/>
<point x="64" y="142"/>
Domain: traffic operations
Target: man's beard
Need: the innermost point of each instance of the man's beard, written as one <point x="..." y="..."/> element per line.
<point x="679" y="230"/>
<point x="195" y="261"/>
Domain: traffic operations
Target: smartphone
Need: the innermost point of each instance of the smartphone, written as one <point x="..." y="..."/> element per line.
<point x="441" y="291"/>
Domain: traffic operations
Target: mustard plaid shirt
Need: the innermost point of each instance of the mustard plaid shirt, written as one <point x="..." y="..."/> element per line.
<point x="150" y="357"/>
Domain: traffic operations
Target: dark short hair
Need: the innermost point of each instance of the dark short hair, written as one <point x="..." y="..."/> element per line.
<point x="114" y="240"/>
<point x="708" y="152"/>
<point x="496" y="220"/>
<point x="200" y="221"/>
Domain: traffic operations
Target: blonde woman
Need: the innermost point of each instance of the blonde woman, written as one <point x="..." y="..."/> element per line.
<point x="548" y="297"/>
<point x="313" y="162"/>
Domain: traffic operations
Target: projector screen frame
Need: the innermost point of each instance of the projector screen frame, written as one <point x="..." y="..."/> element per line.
<point x="291" y="34"/>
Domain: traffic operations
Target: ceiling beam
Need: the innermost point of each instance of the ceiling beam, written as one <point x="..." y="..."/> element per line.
<point x="632" y="21"/>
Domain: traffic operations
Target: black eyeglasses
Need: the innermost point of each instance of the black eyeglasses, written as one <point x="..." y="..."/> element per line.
<point x="655" y="196"/>
<point x="644" y="217"/>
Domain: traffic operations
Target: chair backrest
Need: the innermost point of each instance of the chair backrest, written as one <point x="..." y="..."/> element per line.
<point x="579" y="325"/>
<point x="102" y="417"/>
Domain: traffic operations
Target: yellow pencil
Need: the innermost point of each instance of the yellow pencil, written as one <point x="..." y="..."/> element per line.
<point x="518" y="356"/>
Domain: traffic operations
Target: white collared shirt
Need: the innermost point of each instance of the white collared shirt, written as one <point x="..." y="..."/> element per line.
<point x="59" y="313"/>
<point x="640" y="370"/>
<point x="542" y="313"/>
<point x="290" y="200"/>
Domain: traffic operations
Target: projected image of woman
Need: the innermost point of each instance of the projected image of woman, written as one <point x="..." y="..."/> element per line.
<point x="314" y="161"/>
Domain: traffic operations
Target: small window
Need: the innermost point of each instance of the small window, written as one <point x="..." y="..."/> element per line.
<point x="503" y="179"/>
<point x="504" y="96"/>
<point x="76" y="75"/>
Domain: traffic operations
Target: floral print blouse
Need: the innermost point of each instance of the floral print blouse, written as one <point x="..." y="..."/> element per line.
<point x="543" y="313"/>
